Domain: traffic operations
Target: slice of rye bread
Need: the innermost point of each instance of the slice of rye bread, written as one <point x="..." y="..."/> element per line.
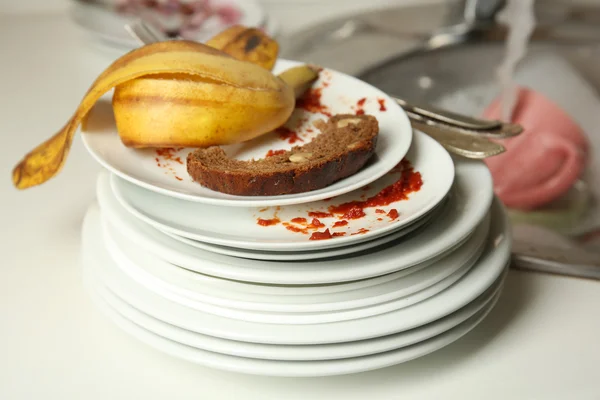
<point x="345" y="144"/>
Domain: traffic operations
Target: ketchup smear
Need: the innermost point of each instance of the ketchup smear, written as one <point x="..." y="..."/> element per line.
<point x="268" y="222"/>
<point x="272" y="153"/>
<point x="321" y="235"/>
<point x="410" y="181"/>
<point x="169" y="154"/>
<point x="319" y="214"/>
<point x="289" y="135"/>
<point x="311" y="101"/>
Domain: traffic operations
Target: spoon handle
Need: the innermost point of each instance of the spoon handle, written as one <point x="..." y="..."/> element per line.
<point x="459" y="123"/>
<point x="449" y="117"/>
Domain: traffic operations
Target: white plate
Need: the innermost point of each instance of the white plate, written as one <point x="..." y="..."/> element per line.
<point x="140" y="166"/>
<point x="420" y="223"/>
<point x="467" y="205"/>
<point x="475" y="282"/>
<point x="231" y="299"/>
<point x="294" y="353"/>
<point x="146" y="237"/>
<point x="337" y="307"/>
<point x="108" y="25"/>
<point x="238" y="227"/>
<point x="293" y="368"/>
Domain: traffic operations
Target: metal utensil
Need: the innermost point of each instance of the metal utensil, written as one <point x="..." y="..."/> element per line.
<point x="462" y="135"/>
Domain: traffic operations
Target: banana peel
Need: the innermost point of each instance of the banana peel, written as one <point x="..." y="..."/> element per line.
<point x="247" y="44"/>
<point x="183" y="94"/>
<point x="194" y="67"/>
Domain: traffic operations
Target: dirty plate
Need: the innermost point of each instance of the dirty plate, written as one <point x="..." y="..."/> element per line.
<point x="241" y="227"/>
<point x="164" y="171"/>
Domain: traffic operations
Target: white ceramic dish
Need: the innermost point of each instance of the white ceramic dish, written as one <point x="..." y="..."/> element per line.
<point x="171" y="178"/>
<point x="293" y="368"/>
<point x="307" y="318"/>
<point x="108" y="25"/>
<point x="475" y="282"/>
<point x="229" y="299"/>
<point x="146" y="238"/>
<point x="295" y="353"/>
<point x="265" y="255"/>
<point x="239" y="227"/>
<point x="467" y="205"/>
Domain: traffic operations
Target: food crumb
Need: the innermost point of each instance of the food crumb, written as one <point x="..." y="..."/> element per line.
<point x="354" y="212"/>
<point x="268" y="222"/>
<point x="319" y="214"/>
<point x="289" y="135"/>
<point x="393" y="214"/>
<point x="315" y="222"/>
<point x="272" y="153"/>
<point x="321" y="235"/>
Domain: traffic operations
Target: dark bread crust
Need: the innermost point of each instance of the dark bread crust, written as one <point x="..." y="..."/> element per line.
<point x="336" y="153"/>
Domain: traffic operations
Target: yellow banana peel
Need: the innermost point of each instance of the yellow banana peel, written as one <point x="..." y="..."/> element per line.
<point x="175" y="93"/>
<point x="248" y="44"/>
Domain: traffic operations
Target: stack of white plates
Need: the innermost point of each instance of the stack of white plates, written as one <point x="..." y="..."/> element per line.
<point x="191" y="272"/>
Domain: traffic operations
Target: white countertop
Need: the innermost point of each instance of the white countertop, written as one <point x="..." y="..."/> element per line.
<point x="541" y="341"/>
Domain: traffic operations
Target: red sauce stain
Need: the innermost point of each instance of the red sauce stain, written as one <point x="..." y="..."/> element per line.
<point x="263" y="209"/>
<point x="361" y="231"/>
<point x="319" y="214"/>
<point x="365" y="188"/>
<point x="178" y="178"/>
<point x="354" y="212"/>
<point x="168" y="154"/>
<point x="380" y="211"/>
<point x="340" y="223"/>
<point x="410" y="181"/>
<point x="311" y="101"/>
<point x="381" y="104"/>
<point x="309" y="130"/>
<point x="289" y="135"/>
<point x="335" y="234"/>
<point x="295" y="229"/>
<point x="359" y="106"/>
<point x="321" y="235"/>
<point x="298" y="220"/>
<point x="379" y="219"/>
<point x="393" y="214"/>
<point x="267" y="222"/>
<point x="316" y="223"/>
<point x="272" y="153"/>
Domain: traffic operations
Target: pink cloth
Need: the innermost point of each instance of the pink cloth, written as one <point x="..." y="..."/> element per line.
<point x="542" y="163"/>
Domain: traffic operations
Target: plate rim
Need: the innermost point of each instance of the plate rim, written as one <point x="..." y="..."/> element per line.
<point x="118" y="186"/>
<point x="273" y="352"/>
<point x="486" y="271"/>
<point x="402" y="148"/>
<point x="286" y="367"/>
<point x="260" y="271"/>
